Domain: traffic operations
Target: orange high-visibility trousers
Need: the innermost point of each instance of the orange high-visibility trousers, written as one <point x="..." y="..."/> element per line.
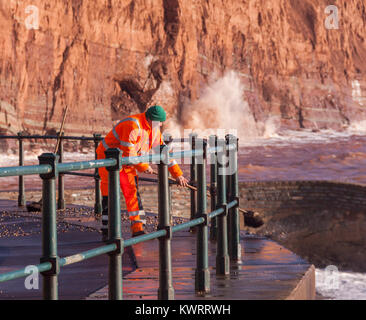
<point x="129" y="186"/>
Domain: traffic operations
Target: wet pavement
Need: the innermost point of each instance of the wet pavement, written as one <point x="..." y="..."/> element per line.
<point x="267" y="270"/>
<point x="20" y="246"/>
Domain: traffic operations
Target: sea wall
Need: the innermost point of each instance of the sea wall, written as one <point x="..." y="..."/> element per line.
<point x="322" y="221"/>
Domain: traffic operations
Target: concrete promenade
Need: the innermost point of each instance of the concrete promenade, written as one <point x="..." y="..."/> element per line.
<point x="267" y="270"/>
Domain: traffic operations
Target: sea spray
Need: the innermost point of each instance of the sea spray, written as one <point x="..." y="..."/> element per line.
<point x="357" y="127"/>
<point x="221" y="105"/>
<point x="341" y="285"/>
<point x="270" y="128"/>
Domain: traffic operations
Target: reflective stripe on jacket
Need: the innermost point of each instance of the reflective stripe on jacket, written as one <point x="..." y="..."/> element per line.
<point x="134" y="137"/>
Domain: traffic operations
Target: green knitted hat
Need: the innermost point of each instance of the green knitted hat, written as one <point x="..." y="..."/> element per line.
<point x="156" y="113"/>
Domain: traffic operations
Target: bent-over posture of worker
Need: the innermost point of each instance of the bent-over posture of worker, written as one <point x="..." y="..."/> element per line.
<point x="134" y="136"/>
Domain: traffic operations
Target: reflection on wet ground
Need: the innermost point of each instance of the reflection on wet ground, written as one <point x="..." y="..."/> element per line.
<point x="21" y="245"/>
<point x="267" y="271"/>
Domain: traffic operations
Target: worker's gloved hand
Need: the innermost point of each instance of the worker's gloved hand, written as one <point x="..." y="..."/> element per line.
<point x="183" y="182"/>
<point x="149" y="170"/>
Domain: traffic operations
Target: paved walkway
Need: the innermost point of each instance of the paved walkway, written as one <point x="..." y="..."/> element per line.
<point x="20" y="245"/>
<point x="267" y="270"/>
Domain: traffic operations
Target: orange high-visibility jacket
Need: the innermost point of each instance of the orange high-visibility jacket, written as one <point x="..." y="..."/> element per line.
<point x="134" y="137"/>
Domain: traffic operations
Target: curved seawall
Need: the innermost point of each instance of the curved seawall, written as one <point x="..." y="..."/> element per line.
<point x="322" y="221"/>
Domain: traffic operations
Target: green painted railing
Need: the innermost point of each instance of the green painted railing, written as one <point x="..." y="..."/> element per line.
<point x="224" y="204"/>
<point x="21" y="137"/>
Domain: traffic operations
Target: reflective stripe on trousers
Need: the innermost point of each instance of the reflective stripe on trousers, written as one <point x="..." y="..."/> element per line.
<point x="129" y="186"/>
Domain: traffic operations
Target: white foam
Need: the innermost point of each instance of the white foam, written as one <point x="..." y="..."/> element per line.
<point x="357" y="93"/>
<point x="342" y="286"/>
<point x="297" y="138"/>
<point x="221" y="105"/>
<point x="358" y="128"/>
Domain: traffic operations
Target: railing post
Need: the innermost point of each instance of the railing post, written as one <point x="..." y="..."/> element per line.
<point x="213" y="185"/>
<point x="98" y="197"/>
<point x="49" y="229"/>
<point x="166" y="290"/>
<point x="193" y="172"/>
<point x="234" y="233"/>
<point x="61" y="185"/>
<point x="202" y="275"/>
<point x="222" y="257"/>
<point x="167" y="140"/>
<point x="114" y="226"/>
<point x="228" y="195"/>
<point x="21" y="196"/>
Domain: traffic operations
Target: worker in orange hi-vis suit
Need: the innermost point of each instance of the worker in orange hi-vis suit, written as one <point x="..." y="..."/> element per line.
<point x="134" y="136"/>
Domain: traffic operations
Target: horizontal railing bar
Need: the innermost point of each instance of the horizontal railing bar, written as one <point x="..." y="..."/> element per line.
<point x="87" y="254"/>
<point x="108" y="248"/>
<point x="157" y="157"/>
<point x="155" y="180"/>
<point x="77" y="138"/>
<point x="198" y="152"/>
<point x="92" y="164"/>
<point x="185" y="154"/>
<point x="180" y="140"/>
<point x="215" y="213"/>
<point x="214" y="149"/>
<point x="21" y="273"/>
<point x="145" y="237"/>
<point x="175" y="228"/>
<point x="80" y="174"/>
<point x="82" y="165"/>
<point x="25" y="170"/>
<point x="232" y="204"/>
<point x="189" y="224"/>
<point x="141" y="159"/>
<point x="51" y="137"/>
<point x="148" y="179"/>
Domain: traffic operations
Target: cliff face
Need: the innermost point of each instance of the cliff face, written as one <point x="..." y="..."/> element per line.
<point x="109" y="58"/>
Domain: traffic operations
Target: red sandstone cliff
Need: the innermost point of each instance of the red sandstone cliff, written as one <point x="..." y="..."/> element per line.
<point x="109" y="58"/>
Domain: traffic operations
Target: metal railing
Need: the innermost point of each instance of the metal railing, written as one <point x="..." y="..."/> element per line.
<point x="61" y="194"/>
<point x="225" y="205"/>
<point x="61" y="204"/>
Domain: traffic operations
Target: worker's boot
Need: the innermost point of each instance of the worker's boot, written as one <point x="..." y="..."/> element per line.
<point x="137" y="229"/>
<point x="104" y="219"/>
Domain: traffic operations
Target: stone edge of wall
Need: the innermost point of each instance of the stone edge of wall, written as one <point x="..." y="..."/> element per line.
<point x="305" y="289"/>
<point x="295" y="182"/>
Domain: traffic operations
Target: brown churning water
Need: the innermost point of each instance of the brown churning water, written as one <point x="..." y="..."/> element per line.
<point x="305" y="156"/>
